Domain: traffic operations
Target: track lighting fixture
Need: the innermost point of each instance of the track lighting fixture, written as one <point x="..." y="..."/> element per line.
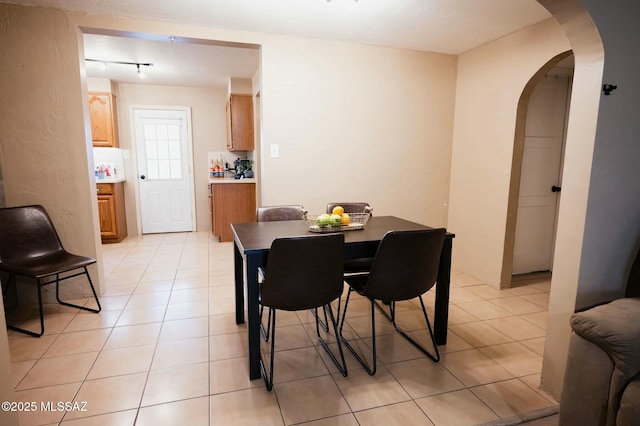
<point x="138" y="65"/>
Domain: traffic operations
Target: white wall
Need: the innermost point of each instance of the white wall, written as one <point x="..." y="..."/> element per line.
<point x="209" y="134"/>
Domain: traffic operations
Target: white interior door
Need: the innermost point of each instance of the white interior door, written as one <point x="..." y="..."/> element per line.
<point x="541" y="165"/>
<point x="165" y="178"/>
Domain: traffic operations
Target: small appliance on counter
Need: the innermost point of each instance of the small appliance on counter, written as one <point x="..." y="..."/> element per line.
<point x="243" y="168"/>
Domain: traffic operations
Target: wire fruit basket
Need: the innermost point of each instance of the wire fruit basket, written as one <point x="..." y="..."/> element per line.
<point x="318" y="223"/>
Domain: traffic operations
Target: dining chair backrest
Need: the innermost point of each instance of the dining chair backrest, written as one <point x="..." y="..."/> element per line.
<point x="277" y="213"/>
<point x="303" y="272"/>
<point x="26" y="232"/>
<point x="351" y="207"/>
<point x="405" y="265"/>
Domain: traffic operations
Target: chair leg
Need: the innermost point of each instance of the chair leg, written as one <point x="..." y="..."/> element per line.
<point x="342" y="367"/>
<point x="271" y="329"/>
<point x="93" y="290"/>
<point x="22" y="330"/>
<point x="371" y="370"/>
<point x="324" y="324"/>
<point x="265" y="333"/>
<point x="435" y="357"/>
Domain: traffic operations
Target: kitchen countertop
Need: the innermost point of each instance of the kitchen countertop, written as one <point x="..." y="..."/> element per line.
<point x="231" y="180"/>
<point x="111" y="180"/>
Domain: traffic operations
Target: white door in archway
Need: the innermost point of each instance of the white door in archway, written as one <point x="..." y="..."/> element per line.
<point x="165" y="178"/>
<point x="541" y="166"/>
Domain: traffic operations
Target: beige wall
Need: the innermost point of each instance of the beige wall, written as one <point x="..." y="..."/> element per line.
<point x="352" y="121"/>
<point x="44" y="144"/>
<point x="482" y="159"/>
<point x="491" y="79"/>
<point x="357" y="123"/>
<point x="208" y="132"/>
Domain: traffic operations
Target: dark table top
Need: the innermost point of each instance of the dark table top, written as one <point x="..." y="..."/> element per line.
<point x="258" y="236"/>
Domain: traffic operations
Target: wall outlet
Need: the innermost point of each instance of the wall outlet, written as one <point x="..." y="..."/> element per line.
<point x="275" y="150"/>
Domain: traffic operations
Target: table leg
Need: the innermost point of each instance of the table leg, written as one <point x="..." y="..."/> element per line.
<point x="238" y="266"/>
<point x="441" y="315"/>
<point x="254" y="317"/>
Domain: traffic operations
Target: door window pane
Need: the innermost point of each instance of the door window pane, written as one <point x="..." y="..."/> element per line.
<point x="163" y="150"/>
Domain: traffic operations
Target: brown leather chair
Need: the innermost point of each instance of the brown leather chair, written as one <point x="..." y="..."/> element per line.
<point x="405" y="267"/>
<point x="277" y="213"/>
<point x="30" y="247"/>
<point x="302" y="273"/>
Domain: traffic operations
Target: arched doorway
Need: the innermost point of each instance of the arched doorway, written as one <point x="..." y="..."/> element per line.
<point x="536" y="170"/>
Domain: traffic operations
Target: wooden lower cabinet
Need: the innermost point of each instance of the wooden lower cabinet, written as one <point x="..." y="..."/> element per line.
<point x="231" y="203"/>
<point x="113" y="219"/>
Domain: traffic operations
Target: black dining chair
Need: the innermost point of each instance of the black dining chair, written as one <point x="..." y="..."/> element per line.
<point x="405" y="267"/>
<point x="277" y="213"/>
<point x="30" y="247"/>
<point x="362" y="264"/>
<point x="302" y="273"/>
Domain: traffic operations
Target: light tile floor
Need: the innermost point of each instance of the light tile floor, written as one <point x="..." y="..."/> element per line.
<point x="166" y="350"/>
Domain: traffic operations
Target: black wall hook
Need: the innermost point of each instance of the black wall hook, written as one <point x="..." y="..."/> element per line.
<point x="608" y="88"/>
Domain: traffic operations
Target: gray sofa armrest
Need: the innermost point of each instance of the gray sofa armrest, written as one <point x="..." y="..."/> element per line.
<point x="615" y="328"/>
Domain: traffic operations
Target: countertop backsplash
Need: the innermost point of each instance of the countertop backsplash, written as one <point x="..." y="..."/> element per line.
<point x="108" y="164"/>
<point x="227" y="158"/>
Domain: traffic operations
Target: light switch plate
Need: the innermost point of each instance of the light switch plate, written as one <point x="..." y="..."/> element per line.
<point x="275" y="150"/>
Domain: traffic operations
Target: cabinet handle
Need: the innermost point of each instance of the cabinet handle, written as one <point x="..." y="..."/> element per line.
<point x="143" y="177"/>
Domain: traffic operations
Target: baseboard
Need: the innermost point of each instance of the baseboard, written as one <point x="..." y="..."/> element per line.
<point x="523" y="418"/>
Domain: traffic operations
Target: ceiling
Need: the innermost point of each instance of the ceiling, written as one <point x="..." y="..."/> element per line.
<point x="445" y="26"/>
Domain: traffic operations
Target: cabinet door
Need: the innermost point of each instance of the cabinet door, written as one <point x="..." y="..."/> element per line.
<point x="102" y="113"/>
<point x="232" y="203"/>
<point x="229" y="133"/>
<point x="107" y="213"/>
<point x="240" y="123"/>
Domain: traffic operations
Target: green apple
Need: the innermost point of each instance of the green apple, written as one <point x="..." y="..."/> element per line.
<point x="323" y="220"/>
<point x="336" y="220"/>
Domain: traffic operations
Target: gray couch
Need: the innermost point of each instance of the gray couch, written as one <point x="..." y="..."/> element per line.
<point x="602" y="379"/>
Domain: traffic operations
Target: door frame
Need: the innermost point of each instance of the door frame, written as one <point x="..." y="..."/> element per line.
<point x="134" y="160"/>
<point x="516" y="168"/>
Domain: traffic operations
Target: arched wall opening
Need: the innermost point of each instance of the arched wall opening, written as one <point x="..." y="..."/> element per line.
<point x="517" y="162"/>
<point x="588" y="51"/>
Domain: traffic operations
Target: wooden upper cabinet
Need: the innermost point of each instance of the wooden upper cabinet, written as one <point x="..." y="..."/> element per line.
<point x="240" y="123"/>
<point x="104" y="129"/>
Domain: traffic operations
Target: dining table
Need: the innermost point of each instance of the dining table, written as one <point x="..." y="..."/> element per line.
<point x="252" y="242"/>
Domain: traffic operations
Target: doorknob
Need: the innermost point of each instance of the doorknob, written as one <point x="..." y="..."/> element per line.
<point x="555" y="188"/>
<point x="143" y="177"/>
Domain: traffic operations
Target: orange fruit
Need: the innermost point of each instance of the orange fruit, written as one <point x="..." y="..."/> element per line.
<point x="339" y="210"/>
<point x="345" y="219"/>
